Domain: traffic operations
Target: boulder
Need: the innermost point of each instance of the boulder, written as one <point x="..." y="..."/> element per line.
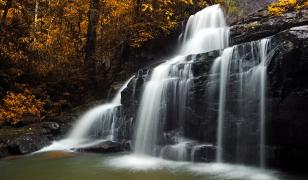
<point x="105" y="147"/>
<point x="3" y="150"/>
<point x="204" y="153"/>
<point x="26" y="144"/>
<point x="53" y="126"/>
<point x="32" y="137"/>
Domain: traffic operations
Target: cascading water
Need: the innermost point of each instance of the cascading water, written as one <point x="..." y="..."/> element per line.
<point x="204" y="32"/>
<point x="263" y="70"/>
<point x="224" y="61"/>
<point x="236" y="84"/>
<point x="98" y="123"/>
<point x="244" y="72"/>
<point x="166" y="77"/>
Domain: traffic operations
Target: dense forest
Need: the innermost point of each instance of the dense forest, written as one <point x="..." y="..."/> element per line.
<point x="51" y="50"/>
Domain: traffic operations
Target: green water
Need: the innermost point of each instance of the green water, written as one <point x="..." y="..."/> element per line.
<point x="71" y="166"/>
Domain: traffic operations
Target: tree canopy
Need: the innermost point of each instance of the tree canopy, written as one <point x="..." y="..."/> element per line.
<point x="59" y="40"/>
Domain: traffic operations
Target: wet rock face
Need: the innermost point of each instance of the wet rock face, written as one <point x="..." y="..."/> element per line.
<point x="204" y="154"/>
<point x="287" y="103"/>
<point x="287" y="125"/>
<point x="260" y="25"/>
<point x="286" y="121"/>
<point x="30" y="138"/>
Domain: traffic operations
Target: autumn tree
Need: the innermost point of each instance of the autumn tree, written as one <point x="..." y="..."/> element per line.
<point x="53" y="40"/>
<point x="7" y="6"/>
<point x="282" y="6"/>
<point x="91" y="34"/>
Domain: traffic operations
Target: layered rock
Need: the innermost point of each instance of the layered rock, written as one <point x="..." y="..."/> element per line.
<point x="260" y="24"/>
<point x="286" y="108"/>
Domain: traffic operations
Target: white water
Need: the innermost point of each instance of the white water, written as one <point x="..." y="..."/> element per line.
<point x="224" y="60"/>
<point x="204" y="32"/>
<point x="149" y="112"/>
<point x="263" y="71"/>
<point x="177" y="151"/>
<point x="137" y="163"/>
<point x="104" y="117"/>
<point x="250" y="77"/>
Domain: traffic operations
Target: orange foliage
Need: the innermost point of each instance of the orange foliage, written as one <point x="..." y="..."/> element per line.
<point x="47" y="37"/>
<point x="15" y="105"/>
<point x="282" y="6"/>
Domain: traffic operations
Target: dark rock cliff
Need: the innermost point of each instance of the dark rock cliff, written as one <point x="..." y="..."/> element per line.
<point x="286" y="119"/>
<point x="288" y="84"/>
<point x="287" y="142"/>
<point x="259" y="25"/>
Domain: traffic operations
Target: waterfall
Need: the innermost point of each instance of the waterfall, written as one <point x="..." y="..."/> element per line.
<point x="104" y="115"/>
<point x="242" y="69"/>
<point x="98" y="122"/>
<point x="232" y="82"/>
<point x="224" y="60"/>
<point x="149" y="112"/>
<point x="166" y="77"/>
<point x="263" y="70"/>
<point x="205" y="31"/>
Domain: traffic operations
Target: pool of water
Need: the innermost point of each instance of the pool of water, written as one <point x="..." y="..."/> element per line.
<point x="78" y="166"/>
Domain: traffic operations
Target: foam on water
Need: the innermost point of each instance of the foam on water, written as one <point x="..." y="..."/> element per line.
<point x="216" y="170"/>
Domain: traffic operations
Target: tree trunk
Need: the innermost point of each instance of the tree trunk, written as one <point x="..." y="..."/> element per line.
<point x="93" y="18"/>
<point x="8" y="5"/>
<point x="138" y="10"/>
<point x="36" y="12"/>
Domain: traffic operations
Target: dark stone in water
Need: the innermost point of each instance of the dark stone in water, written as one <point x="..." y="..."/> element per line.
<point x="3" y="150"/>
<point x="106" y="147"/>
<point x="206" y="153"/>
<point x="27" y="144"/>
